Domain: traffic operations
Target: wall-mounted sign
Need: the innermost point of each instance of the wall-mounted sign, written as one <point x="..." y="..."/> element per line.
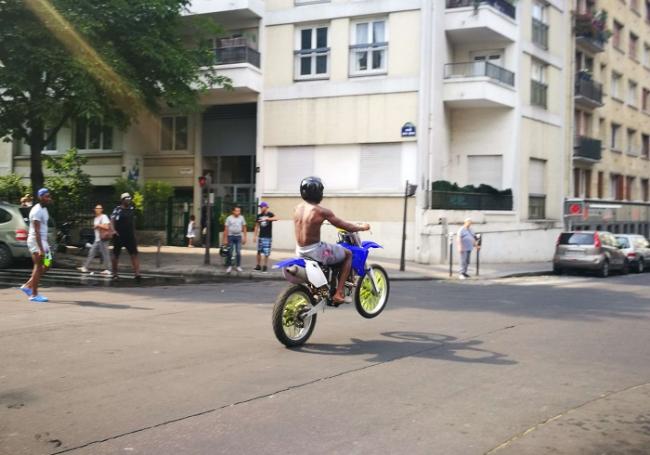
<point x="186" y="171"/>
<point x="408" y="130"/>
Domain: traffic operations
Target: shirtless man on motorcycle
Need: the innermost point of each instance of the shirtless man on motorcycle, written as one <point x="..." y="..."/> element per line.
<point x="308" y="218"/>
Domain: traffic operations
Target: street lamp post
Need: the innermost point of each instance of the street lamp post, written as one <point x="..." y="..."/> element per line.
<point x="409" y="191"/>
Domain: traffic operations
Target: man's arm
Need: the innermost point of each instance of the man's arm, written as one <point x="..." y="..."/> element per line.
<point x="224" y="239"/>
<point x="342" y="224"/>
<point x="37" y="233"/>
<point x="244" y="230"/>
<point x="256" y="230"/>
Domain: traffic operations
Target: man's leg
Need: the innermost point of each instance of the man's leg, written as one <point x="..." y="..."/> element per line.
<point x="237" y="246"/>
<point x="37" y="272"/>
<point x="115" y="257"/>
<point x="135" y="263"/>
<point x="339" y="296"/>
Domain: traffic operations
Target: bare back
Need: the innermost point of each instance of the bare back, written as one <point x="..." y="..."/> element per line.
<point x="308" y="219"/>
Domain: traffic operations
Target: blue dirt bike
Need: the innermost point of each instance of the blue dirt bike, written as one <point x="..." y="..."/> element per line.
<point x="313" y="287"/>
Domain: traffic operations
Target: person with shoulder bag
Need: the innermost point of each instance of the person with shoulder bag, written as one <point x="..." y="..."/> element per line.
<point x="103" y="234"/>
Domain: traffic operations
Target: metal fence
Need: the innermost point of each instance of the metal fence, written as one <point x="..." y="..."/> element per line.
<point x="452" y="200"/>
<point x="239" y="54"/>
<point x="587" y="147"/>
<point x="589" y="89"/>
<point x="503" y="6"/>
<point x="480" y="69"/>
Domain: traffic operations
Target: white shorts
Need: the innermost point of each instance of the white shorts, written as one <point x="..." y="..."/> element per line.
<point x="33" y="246"/>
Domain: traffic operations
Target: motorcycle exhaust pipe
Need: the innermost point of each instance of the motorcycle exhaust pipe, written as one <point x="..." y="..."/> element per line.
<point x="295" y="274"/>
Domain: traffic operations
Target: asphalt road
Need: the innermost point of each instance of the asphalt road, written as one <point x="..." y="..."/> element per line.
<point x="521" y="366"/>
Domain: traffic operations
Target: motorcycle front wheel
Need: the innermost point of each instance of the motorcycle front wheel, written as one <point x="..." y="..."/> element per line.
<point x="289" y="328"/>
<point x="368" y="303"/>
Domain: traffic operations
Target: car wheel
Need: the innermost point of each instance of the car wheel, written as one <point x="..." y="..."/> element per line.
<point x="604" y="269"/>
<point x="557" y="270"/>
<point x="5" y="257"/>
<point x="626" y="267"/>
<point x="640" y="268"/>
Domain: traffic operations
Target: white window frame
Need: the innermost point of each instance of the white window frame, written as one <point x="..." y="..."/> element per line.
<point x="313" y="53"/>
<point x="87" y="139"/>
<point x="173" y="133"/>
<point x="616" y="86"/>
<point x="632" y="94"/>
<point x="369" y="47"/>
<point x="615" y="136"/>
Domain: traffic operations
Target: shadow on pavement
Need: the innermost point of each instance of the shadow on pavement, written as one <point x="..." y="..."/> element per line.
<point x="413" y="344"/>
<point x="108" y="306"/>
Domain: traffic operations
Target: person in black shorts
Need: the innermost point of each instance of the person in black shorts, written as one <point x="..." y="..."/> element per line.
<point x="123" y="221"/>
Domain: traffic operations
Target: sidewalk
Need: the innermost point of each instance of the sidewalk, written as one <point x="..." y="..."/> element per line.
<point x="189" y="262"/>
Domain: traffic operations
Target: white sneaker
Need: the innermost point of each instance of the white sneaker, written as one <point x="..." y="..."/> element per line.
<point x="107" y="273"/>
<point x="229" y="269"/>
<point x="239" y="269"/>
<point x="82" y="269"/>
<point x="462" y="277"/>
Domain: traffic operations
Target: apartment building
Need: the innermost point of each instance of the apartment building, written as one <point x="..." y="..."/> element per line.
<point x="611" y="158"/>
<point x="368" y="94"/>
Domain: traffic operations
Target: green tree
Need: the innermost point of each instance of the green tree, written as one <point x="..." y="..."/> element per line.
<point x="12" y="188"/>
<point x="110" y="59"/>
<point x="69" y="185"/>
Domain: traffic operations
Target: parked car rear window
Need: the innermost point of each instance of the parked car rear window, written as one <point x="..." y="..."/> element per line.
<point x="576" y="238"/>
<point x="5" y="216"/>
<point x="624" y="241"/>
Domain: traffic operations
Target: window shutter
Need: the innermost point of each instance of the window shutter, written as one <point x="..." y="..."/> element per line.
<point x="381" y="167"/>
<point x="536" y="177"/>
<point x="294" y="164"/>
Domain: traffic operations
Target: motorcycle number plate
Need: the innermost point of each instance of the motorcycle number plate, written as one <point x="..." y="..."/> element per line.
<point x="315" y="274"/>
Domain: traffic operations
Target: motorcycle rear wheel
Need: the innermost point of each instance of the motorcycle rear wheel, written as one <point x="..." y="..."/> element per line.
<point x="289" y="329"/>
<point x="368" y="304"/>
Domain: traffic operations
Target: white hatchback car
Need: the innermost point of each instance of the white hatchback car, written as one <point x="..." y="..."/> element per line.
<point x="637" y="249"/>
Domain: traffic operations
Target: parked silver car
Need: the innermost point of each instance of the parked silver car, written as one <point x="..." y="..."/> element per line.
<point x="589" y="250"/>
<point x="637" y="249"/>
<point x="14" y="226"/>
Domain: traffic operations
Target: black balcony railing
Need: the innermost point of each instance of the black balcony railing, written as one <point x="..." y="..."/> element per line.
<point x="480" y="69"/>
<point x="503" y="6"/>
<point x="540" y="33"/>
<point x="538" y="94"/>
<point x="453" y="200"/>
<point x="589" y="89"/>
<point x="239" y="54"/>
<point x="587" y="147"/>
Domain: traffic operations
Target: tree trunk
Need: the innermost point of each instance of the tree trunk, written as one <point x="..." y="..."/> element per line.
<point x="36" y="145"/>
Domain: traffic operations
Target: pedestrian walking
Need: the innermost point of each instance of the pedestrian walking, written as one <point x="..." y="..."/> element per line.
<point x="103" y="234"/>
<point x="38" y="245"/>
<point x="466" y="243"/>
<point x="235" y="234"/>
<point x="263" y="236"/>
<point x="123" y="224"/>
<point x="191" y="231"/>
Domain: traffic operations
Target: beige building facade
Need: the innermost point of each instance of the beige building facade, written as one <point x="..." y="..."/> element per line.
<point x="611" y="119"/>
<point x="368" y="94"/>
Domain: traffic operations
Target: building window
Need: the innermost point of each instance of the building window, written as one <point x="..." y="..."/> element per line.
<point x="633" y="46"/>
<point x="601" y="184"/>
<point x="645" y="94"/>
<point x="90" y="134"/>
<point x="634" y="5"/>
<point x="617" y="35"/>
<point x="647" y="10"/>
<point x="380" y="166"/>
<point x="631" y="142"/>
<point x="616" y="186"/>
<point x="485" y="169"/>
<point x="615" y="140"/>
<point x="645" y="190"/>
<point x="645" y="146"/>
<point x="617" y="81"/>
<point x="540" y="25"/>
<point x="537" y="189"/>
<point x="539" y="87"/>
<point x="312" y="54"/>
<point x="369" y="49"/>
<point x="51" y="145"/>
<point x="631" y="93"/>
<point x="173" y="133"/>
<point x="629" y="188"/>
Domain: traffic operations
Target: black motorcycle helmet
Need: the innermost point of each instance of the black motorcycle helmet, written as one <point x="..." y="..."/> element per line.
<point x="311" y="189"/>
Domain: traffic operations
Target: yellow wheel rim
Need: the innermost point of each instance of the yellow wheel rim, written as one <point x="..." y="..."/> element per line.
<point x="367" y="298"/>
<point x="296" y="303"/>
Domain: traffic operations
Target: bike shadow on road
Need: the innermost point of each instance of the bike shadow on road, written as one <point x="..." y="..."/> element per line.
<point x="399" y="345"/>
<point x="107" y="306"/>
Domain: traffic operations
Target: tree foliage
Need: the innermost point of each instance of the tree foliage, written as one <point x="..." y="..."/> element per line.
<point x="108" y="59"/>
<point x="68" y="183"/>
<point x="157" y="191"/>
<point x="12" y="188"/>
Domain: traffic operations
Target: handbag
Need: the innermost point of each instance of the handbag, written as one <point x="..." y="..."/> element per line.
<point x="106" y="234"/>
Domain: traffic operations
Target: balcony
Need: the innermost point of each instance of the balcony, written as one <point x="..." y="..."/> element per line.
<point x="479" y="21"/>
<point x="478" y="84"/>
<point x="588" y="93"/>
<point x="235" y="55"/>
<point x="587" y="149"/>
<point x="590" y="31"/>
<point x="236" y="60"/>
<point x="228" y="10"/>
<point x="454" y="200"/>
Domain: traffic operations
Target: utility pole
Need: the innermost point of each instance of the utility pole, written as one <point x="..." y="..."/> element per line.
<point x="208" y="198"/>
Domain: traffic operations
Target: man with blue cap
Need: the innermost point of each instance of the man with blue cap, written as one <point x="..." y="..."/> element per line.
<point x="38" y="245"/>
